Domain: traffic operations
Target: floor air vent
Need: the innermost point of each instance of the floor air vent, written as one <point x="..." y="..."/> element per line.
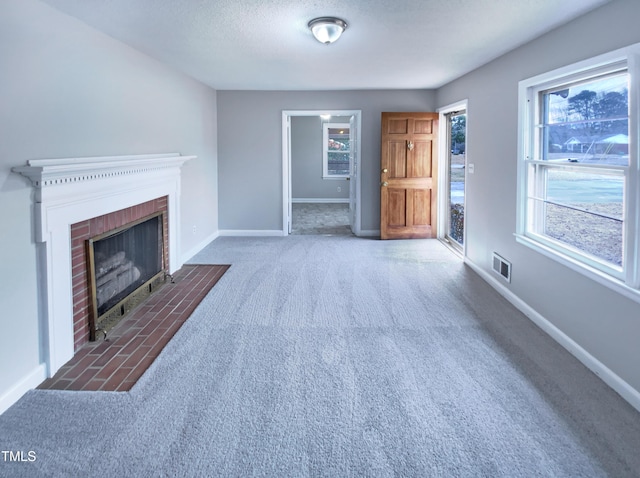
<point x="502" y="267"/>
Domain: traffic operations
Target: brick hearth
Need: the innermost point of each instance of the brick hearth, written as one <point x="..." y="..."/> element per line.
<point x="133" y="344"/>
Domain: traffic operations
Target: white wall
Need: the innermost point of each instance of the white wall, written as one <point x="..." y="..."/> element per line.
<point x="250" y="148"/>
<point x="306" y="161"/>
<point x="605" y="324"/>
<point x="67" y="90"/>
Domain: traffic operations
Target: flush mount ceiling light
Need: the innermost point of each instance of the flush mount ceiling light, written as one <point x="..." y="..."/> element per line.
<point x="327" y="29"/>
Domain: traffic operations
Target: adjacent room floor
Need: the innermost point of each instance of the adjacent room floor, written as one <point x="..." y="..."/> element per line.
<point x="320" y="218"/>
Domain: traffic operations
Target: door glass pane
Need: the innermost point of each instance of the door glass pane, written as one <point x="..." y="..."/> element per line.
<point x="457" y="161"/>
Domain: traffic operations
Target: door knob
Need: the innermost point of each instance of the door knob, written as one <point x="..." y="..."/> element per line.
<point x="385" y="170"/>
<point x="384" y="183"/>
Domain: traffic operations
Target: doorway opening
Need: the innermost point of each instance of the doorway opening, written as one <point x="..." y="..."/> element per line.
<point x="453" y="181"/>
<point x="320" y="167"/>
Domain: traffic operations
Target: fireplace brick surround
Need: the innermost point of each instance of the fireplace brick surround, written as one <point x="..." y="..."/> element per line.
<point x="68" y="192"/>
<point x="84" y="230"/>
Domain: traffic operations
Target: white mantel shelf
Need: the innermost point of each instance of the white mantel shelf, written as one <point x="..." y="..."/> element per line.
<point x="51" y="172"/>
<point x="71" y="190"/>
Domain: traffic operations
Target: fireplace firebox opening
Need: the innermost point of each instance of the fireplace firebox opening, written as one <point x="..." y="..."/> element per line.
<point x="125" y="266"/>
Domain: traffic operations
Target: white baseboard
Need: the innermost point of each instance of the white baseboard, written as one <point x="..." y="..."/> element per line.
<point x="609" y="377"/>
<point x="249" y="232"/>
<point x="321" y="200"/>
<point x="197" y="248"/>
<point x="369" y="233"/>
<point x="31" y="380"/>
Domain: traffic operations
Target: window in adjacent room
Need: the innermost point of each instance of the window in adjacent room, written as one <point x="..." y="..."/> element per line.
<point x="578" y="177"/>
<point x="336" y="148"/>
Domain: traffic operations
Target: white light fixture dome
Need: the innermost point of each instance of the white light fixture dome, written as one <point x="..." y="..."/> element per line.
<point x="327" y="29"/>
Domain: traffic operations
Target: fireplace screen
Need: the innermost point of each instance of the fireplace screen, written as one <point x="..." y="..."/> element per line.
<point x="122" y="263"/>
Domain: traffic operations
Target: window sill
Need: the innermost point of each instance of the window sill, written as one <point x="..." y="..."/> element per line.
<point x="594" y="274"/>
<point x="341" y="178"/>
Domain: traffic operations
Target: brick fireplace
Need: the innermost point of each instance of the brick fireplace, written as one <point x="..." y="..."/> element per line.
<point x="75" y="197"/>
<point x="81" y="232"/>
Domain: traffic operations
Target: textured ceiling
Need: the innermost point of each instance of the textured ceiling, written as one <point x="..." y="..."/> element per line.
<point x="265" y="44"/>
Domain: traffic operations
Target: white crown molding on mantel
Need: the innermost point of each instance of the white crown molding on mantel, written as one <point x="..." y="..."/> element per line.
<point x="71" y="190"/>
<point x="52" y="172"/>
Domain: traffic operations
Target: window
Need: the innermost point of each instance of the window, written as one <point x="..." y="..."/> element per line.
<point x="336" y="149"/>
<point x="578" y="179"/>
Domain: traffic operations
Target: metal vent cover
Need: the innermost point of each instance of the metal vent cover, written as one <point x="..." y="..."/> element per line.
<point x="502" y="267"/>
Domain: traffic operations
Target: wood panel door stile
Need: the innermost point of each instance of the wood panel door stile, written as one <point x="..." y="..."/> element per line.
<point x="407" y="175"/>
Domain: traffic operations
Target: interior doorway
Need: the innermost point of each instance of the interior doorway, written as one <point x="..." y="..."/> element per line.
<point x="331" y="168"/>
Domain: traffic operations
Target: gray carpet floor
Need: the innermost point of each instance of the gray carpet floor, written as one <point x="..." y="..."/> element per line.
<point x="338" y="357"/>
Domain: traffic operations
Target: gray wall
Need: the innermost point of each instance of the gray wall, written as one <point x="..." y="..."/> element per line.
<point x="306" y="161"/>
<point x="604" y="323"/>
<point x="250" y="148"/>
<point x="68" y="91"/>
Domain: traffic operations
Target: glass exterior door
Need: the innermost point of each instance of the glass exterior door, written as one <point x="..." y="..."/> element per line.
<point x="456" y="163"/>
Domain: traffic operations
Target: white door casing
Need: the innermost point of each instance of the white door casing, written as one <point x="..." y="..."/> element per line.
<point x="354" y="187"/>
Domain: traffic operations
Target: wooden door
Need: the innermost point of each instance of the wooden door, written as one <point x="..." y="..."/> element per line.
<point x="408" y="175"/>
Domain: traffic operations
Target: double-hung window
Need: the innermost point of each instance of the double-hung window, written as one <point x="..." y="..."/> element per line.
<point x="336" y="150"/>
<point x="578" y="179"/>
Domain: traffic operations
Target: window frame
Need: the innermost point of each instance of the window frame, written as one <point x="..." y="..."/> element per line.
<point x="625" y="279"/>
<point x="326" y="150"/>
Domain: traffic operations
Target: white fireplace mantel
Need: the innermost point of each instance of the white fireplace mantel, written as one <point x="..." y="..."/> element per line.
<point x="71" y="190"/>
